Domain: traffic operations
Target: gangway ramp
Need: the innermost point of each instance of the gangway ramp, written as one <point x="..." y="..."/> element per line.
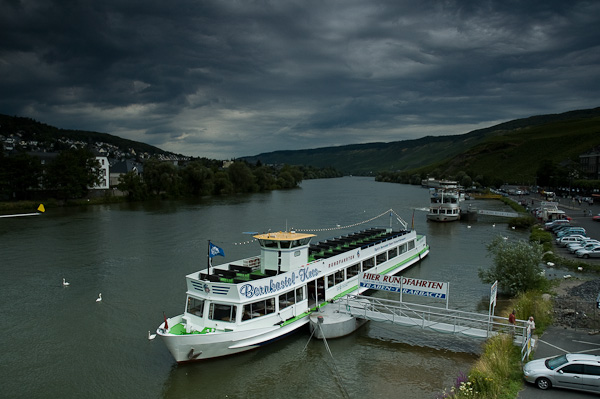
<point x="471" y="324"/>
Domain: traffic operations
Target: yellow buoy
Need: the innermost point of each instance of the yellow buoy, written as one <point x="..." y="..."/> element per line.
<point x="41" y="208"/>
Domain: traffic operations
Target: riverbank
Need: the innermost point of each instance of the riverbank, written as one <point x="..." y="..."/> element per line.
<point x="6" y="207"/>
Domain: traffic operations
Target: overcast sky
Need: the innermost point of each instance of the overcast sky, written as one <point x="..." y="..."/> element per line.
<point x="223" y="79"/>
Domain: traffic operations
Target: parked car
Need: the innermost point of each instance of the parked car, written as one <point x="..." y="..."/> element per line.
<point x="586" y="244"/>
<point x="574" y="238"/>
<point x="571" y="231"/>
<point x="554" y="223"/>
<point x="561" y="227"/>
<point x="588" y="253"/>
<point x="571" y="370"/>
<point x="596" y="218"/>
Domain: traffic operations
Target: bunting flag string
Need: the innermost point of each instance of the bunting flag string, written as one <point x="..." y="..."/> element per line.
<point x="338" y="227"/>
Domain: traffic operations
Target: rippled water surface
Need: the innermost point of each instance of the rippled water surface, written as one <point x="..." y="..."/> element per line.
<point x="59" y="342"/>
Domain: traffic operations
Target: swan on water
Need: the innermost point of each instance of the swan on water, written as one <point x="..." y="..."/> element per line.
<point x="99" y="299"/>
<point x="151" y="336"/>
<point x="65" y="283"/>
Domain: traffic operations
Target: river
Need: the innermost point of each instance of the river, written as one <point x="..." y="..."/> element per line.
<point x="59" y="342"/>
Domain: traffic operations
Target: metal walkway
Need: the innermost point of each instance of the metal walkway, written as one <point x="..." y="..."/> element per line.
<point x="443" y="320"/>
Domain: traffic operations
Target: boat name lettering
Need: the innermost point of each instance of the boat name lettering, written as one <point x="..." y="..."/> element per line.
<point x="251" y="290"/>
<point x="306" y="274"/>
<point x="339" y="262"/>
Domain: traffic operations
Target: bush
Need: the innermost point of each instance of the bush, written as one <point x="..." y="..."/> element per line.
<point x="516" y="266"/>
<point x="530" y="303"/>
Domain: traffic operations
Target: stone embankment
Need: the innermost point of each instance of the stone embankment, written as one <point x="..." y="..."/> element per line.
<point x="575" y="305"/>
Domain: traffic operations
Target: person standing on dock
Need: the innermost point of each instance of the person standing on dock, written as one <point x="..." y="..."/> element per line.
<point x="512" y="319"/>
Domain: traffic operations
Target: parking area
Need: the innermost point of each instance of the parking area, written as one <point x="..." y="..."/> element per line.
<point x="580" y="217"/>
<point x="557" y="341"/>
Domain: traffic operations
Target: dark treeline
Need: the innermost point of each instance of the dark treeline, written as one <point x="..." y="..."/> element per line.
<point x="70" y="173"/>
<point x="563" y="179"/>
<point x="206" y="177"/>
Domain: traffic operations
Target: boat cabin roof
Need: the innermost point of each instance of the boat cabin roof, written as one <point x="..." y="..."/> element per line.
<point x="283" y="236"/>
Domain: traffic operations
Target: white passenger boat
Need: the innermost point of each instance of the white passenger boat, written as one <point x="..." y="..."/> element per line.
<point x="444" y="205"/>
<point x="238" y="306"/>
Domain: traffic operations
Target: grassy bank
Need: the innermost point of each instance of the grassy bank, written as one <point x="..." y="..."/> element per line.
<point x="497" y="374"/>
<point x="31" y="206"/>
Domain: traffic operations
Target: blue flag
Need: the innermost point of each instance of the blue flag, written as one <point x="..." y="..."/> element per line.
<point x="214" y="250"/>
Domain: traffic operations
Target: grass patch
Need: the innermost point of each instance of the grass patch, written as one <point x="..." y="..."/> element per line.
<point x="498" y="373"/>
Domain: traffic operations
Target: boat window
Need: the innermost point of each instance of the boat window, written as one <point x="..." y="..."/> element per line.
<point x="258" y="309"/>
<point x="368" y="263"/>
<point x="286" y="244"/>
<point x="339" y="276"/>
<point x="411" y="245"/>
<point x="195" y="306"/>
<point x="222" y="312"/>
<point x="286" y="299"/>
<point x="304" y="241"/>
<point x="402" y="248"/>
<point x="381" y="258"/>
<point x="353" y="270"/>
<point x="299" y="294"/>
<point x="271" y="244"/>
<point x="330" y="280"/>
<point x="392" y="253"/>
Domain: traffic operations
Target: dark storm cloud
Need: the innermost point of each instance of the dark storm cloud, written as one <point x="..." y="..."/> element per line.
<point x="231" y="78"/>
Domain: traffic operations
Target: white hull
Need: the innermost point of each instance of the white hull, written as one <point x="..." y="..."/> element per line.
<point x="443" y="217"/>
<point x="191" y="338"/>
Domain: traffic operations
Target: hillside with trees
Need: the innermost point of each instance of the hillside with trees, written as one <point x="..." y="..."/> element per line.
<point x="506" y="150"/>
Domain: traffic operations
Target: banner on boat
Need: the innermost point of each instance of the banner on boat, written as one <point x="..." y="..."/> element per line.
<point x="405" y="285"/>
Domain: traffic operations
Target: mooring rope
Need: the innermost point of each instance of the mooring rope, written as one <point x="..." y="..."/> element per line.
<point x="337" y="373"/>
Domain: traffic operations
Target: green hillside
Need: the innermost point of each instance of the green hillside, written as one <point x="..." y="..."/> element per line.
<point x="516" y="155"/>
<point x="508" y="149"/>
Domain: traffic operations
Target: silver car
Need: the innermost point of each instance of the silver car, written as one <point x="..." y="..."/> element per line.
<point x="572" y="370"/>
<point x="589" y="253"/>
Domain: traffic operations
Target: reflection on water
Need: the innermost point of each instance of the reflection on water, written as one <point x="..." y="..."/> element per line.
<point x="58" y="342"/>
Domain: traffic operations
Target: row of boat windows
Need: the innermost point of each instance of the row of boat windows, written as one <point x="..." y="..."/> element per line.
<point x="445" y="200"/>
<point x="436" y="211"/>
<point x="284" y="244"/>
<point x="353" y="270"/>
<point x="228" y="312"/>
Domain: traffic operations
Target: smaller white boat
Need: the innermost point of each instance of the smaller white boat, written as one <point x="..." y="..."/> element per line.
<point x="444" y="205"/>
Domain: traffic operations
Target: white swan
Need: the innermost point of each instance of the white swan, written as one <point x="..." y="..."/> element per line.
<point x="468" y="227"/>
<point x="494" y="225"/>
<point x="151" y="336"/>
<point x="99" y="299"/>
<point x="65" y="284"/>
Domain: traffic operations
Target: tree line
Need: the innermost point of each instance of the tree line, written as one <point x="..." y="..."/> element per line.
<point x="73" y="171"/>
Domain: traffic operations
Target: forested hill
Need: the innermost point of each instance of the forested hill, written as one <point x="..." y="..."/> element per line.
<point x="415" y="154"/>
<point x="32" y="130"/>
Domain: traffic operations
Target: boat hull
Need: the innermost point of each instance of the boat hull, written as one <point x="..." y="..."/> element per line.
<point x="443" y="218"/>
<point x="194" y="347"/>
